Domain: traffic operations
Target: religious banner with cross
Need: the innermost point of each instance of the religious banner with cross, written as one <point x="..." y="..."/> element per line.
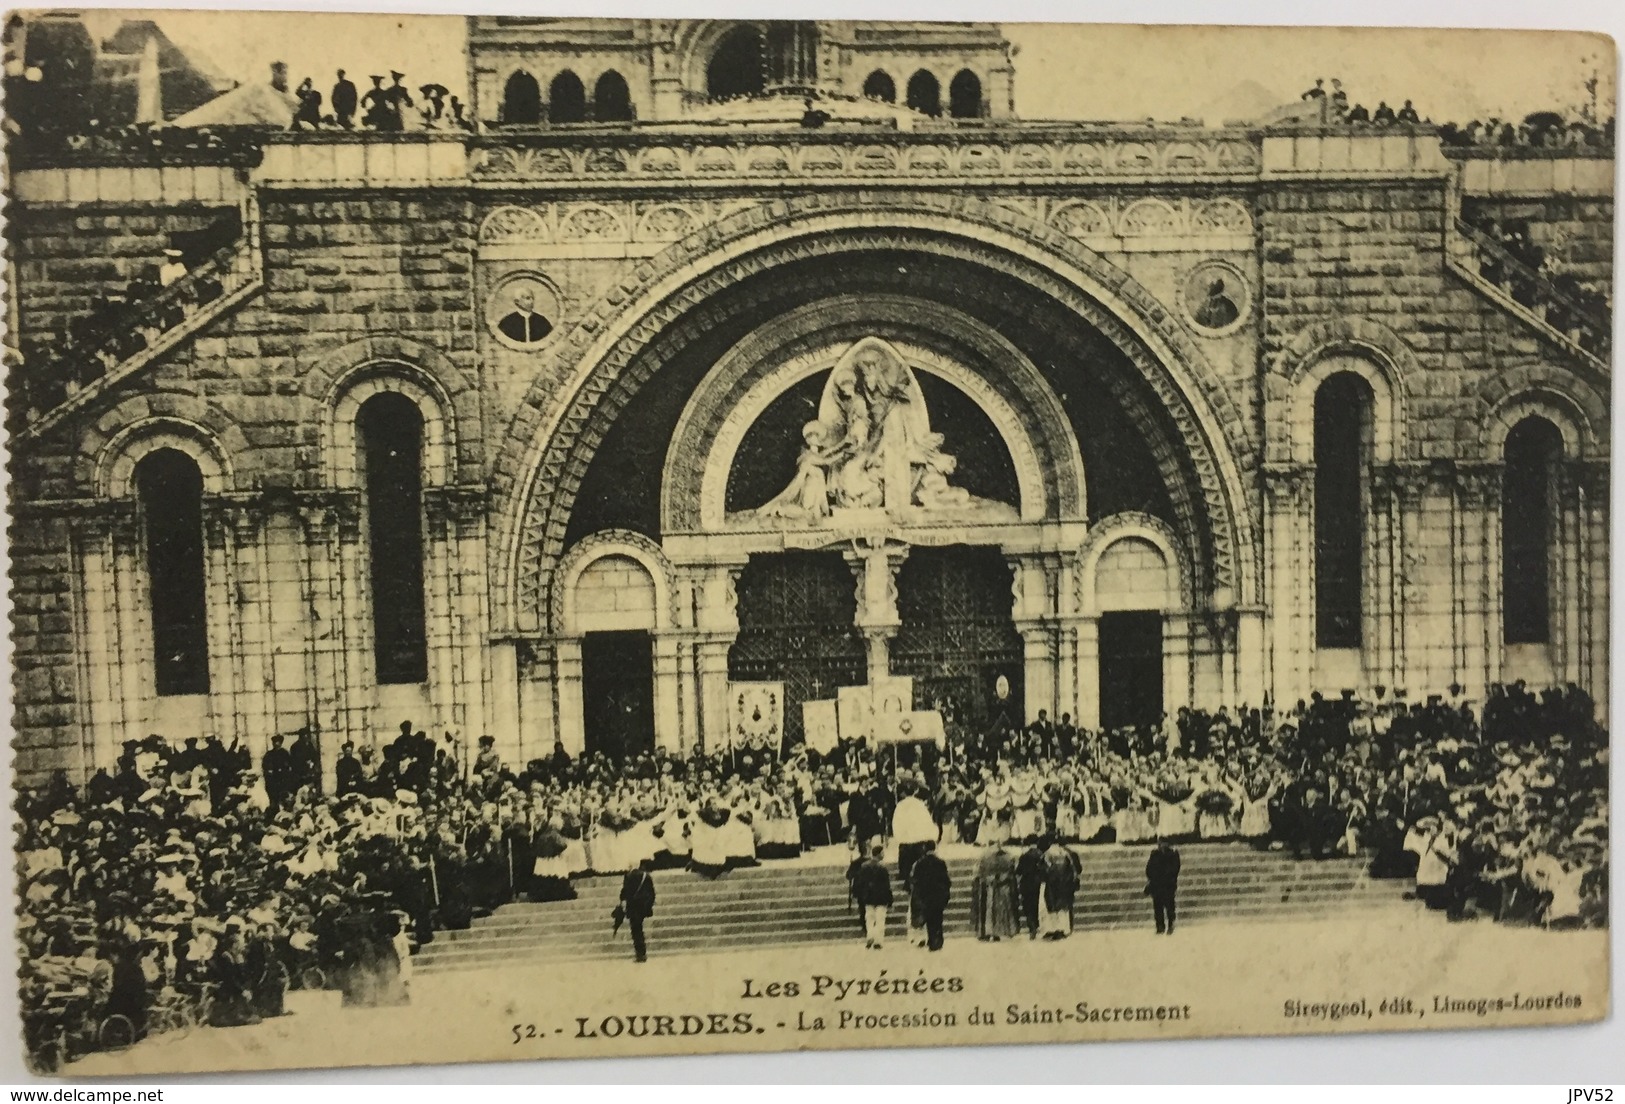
<point x="756" y="715"/>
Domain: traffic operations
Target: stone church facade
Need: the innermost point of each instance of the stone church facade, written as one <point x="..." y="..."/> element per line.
<point x="537" y="431"/>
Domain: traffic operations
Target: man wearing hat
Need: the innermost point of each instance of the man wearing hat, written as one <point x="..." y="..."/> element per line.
<point x="278" y="768"/>
<point x="348" y="776"/>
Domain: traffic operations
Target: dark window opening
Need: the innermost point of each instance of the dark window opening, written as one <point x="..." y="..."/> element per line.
<point x="390" y="429"/>
<point x="738" y="65"/>
<point x="1532" y="451"/>
<point x="965" y="96"/>
<point x="170" y="489"/>
<point x="925" y="94"/>
<point x="1342" y="408"/>
<point x="566" y="99"/>
<point x="611" y="99"/>
<point x="880" y="86"/>
<point x="522" y="100"/>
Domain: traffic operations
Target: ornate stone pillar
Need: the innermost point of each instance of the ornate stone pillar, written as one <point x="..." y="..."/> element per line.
<point x="668" y="720"/>
<point x="716" y="597"/>
<point x="138" y="682"/>
<point x="571" y="714"/>
<point x="1382" y="619"/>
<point x="1034" y="603"/>
<point x="1088" y="701"/>
<point x="102" y="671"/>
<point x="458" y="513"/>
<point x="1249" y="657"/>
<point x="1593" y="483"/>
<point x="1569" y="621"/>
<point x="1478" y="499"/>
<point x="502" y="692"/>
<point x="1411" y="485"/>
<point x="1176" y="662"/>
<point x="1289" y="568"/>
<point x="875" y="565"/>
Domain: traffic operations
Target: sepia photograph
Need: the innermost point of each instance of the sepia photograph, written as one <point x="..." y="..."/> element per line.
<point x="546" y="537"/>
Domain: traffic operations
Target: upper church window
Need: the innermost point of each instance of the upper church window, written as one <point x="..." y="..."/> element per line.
<point x="522" y="100"/>
<point x="738" y="65"/>
<point x="925" y="94"/>
<point x="880" y="86"/>
<point x="965" y="96"/>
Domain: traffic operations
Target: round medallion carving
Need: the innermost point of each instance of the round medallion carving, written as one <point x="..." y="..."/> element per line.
<point x="523" y="311"/>
<point x="1215" y="298"/>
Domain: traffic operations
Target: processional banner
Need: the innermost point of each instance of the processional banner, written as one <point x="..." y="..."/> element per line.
<point x="756" y="715"/>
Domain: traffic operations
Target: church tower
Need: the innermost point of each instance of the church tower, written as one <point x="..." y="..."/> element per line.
<point x="526" y="71"/>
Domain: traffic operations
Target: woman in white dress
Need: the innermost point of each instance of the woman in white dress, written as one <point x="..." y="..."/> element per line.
<point x="710" y="850"/>
<point x="996" y="815"/>
<point x="1255" y="810"/>
<point x="1027" y="818"/>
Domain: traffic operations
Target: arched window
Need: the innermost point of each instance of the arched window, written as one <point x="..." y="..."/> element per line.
<point x="1533" y="449"/>
<point x="611" y="99"/>
<point x="738" y="65"/>
<point x="1342" y="428"/>
<point x="925" y="94"/>
<point x="170" y="491"/>
<point x="791" y="54"/>
<point x="880" y="86"/>
<point x="522" y="100"/>
<point x="566" y="99"/>
<point x="965" y="95"/>
<point x="389" y="428"/>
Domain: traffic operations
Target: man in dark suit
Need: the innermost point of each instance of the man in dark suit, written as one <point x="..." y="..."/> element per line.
<point x="277" y="767"/>
<point x="348" y="776"/>
<point x="523" y="325"/>
<point x="871" y="889"/>
<point x="1162" y="883"/>
<point x="1030" y="883"/>
<point x="638" y="902"/>
<point x="344" y="101"/>
<point x="931" y="888"/>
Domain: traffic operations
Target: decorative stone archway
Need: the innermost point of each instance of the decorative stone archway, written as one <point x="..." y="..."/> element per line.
<point x="544" y="458"/>
<point x="935" y="339"/>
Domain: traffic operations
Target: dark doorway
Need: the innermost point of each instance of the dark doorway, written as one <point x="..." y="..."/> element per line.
<point x="1130" y="669"/>
<point x="958" y="636"/>
<point x="795" y="624"/>
<point x="617" y="693"/>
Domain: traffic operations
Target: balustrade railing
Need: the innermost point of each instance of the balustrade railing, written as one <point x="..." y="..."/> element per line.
<point x="97" y="345"/>
<point x="1578" y="316"/>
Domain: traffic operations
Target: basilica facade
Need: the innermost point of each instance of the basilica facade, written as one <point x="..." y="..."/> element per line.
<point x="728" y="355"/>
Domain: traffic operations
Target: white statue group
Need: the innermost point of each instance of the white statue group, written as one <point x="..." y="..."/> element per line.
<point x="871" y="446"/>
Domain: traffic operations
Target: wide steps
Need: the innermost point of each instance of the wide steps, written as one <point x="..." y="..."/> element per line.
<point x="806" y="902"/>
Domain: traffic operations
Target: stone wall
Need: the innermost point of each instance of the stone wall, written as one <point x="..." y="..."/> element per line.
<point x="1577" y="232"/>
<point x="66" y="258"/>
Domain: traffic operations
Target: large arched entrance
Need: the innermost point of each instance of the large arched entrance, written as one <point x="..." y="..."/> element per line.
<point x="701" y="430"/>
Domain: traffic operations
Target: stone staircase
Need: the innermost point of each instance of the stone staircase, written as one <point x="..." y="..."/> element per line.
<point x="44" y="394"/>
<point x="806" y="902"/>
<point x="1583" y="329"/>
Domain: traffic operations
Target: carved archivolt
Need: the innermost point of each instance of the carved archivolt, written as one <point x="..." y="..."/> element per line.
<point x="1132" y="525"/>
<point x="932" y="338"/>
<point x="611" y="542"/>
<point x="565" y="415"/>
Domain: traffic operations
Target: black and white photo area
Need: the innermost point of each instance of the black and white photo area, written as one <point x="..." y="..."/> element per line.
<point x="691" y="452"/>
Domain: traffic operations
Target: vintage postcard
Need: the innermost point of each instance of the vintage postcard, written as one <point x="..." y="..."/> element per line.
<point x="553" y="537"/>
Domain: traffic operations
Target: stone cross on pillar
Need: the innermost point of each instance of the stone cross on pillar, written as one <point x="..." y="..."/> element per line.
<point x="875" y="564"/>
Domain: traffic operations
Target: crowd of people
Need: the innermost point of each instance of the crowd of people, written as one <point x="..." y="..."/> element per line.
<point x="1540" y="130"/>
<point x="1511" y="259"/>
<point x="121" y="323"/>
<point x="188" y="871"/>
<point x="382" y="107"/>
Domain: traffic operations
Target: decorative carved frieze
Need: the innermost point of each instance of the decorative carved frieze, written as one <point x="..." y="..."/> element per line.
<point x="1071" y="153"/>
